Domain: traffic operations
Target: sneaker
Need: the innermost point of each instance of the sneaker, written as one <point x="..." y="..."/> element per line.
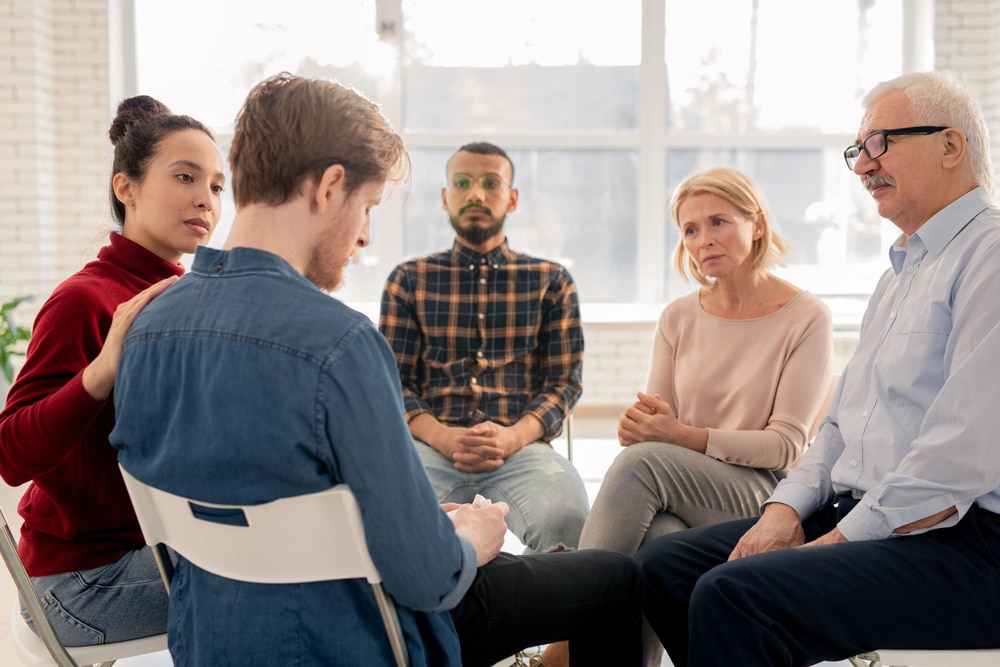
<point x="526" y="659"/>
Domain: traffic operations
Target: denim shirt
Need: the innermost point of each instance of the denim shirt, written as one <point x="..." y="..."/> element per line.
<point x="912" y="427"/>
<point x="244" y="383"/>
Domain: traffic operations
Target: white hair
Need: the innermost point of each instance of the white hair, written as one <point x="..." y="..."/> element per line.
<point x="941" y="98"/>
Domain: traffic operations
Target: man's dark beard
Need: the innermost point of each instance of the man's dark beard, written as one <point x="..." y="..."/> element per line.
<point x="477" y="234"/>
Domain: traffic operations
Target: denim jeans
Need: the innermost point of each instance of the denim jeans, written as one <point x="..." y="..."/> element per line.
<point x="548" y="501"/>
<point x="120" y="601"/>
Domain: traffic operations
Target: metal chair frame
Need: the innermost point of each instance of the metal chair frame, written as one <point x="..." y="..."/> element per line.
<point x="45" y="649"/>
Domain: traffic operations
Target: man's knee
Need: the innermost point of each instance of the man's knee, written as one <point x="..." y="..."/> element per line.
<point x="621" y="571"/>
<point x="740" y="584"/>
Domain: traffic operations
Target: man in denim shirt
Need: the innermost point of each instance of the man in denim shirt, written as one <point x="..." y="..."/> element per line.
<point x="246" y="383"/>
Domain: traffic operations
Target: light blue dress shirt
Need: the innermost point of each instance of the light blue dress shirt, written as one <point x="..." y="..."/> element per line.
<point x="914" y="424"/>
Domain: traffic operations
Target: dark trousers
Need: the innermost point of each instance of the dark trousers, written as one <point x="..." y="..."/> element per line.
<point x="939" y="589"/>
<point x="591" y="598"/>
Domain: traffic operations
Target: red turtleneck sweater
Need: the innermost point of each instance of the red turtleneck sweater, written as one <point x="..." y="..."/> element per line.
<point x="77" y="514"/>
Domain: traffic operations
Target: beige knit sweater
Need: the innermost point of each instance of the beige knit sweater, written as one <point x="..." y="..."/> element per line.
<point x="756" y="385"/>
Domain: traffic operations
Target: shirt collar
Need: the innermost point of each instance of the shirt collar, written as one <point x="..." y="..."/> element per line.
<point x="942" y="227"/>
<point x="465" y="257"/>
<point x="216" y="262"/>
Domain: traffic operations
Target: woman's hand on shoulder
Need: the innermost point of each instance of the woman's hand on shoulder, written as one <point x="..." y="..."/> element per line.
<point x="99" y="375"/>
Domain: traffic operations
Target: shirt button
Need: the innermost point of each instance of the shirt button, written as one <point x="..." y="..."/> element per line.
<point x="892" y="315"/>
<point x="481" y="316"/>
<point x="854" y="463"/>
<point x="218" y="267"/>
<point x="864" y="414"/>
<point x="473" y="380"/>
<point x="482" y="281"/>
<point x="479" y="354"/>
<point x="909" y="269"/>
<point x="472" y="267"/>
<point x="496" y="266"/>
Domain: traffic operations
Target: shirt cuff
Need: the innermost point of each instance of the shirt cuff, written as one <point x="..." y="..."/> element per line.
<point x="800" y="498"/>
<point x="864" y="523"/>
<point x="465" y="578"/>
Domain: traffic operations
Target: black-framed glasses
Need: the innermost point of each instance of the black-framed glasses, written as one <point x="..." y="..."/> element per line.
<point x="876" y="144"/>
<point x="488" y="182"/>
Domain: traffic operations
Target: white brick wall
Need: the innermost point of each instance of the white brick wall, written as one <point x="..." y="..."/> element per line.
<point x="53" y="142"/>
<point x="616" y="360"/>
<point x="966" y="34"/>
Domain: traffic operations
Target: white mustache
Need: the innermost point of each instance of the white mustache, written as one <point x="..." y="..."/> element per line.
<point x="876" y="180"/>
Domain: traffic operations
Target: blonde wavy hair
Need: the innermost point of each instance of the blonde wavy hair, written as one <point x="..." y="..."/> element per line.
<point x="734" y="187"/>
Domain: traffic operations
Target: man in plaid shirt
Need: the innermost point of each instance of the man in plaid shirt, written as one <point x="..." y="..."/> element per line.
<point x="490" y="352"/>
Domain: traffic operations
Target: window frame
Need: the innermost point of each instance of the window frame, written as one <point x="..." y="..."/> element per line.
<point x="652" y="141"/>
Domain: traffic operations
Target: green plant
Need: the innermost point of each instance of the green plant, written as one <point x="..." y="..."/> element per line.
<point x="10" y="336"/>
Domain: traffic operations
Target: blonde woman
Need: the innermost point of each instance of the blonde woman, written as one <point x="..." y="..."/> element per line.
<point x="739" y="371"/>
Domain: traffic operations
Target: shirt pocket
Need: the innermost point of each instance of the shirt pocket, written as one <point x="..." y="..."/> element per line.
<point x="918" y="357"/>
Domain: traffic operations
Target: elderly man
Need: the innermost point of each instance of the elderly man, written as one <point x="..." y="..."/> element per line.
<point x="896" y="503"/>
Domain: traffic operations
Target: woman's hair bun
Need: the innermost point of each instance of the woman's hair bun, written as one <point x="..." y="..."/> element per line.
<point x="133" y="110"/>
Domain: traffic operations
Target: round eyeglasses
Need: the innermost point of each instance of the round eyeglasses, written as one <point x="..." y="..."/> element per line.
<point x="488" y="182"/>
<point x="876" y="144"/>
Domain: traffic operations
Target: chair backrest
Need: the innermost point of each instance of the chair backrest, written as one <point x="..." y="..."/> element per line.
<point x="312" y="537"/>
<point x="45" y="648"/>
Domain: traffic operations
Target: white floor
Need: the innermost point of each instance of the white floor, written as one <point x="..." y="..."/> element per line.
<point x="592" y="456"/>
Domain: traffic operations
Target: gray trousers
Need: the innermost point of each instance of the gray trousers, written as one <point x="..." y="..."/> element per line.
<point x="655" y="488"/>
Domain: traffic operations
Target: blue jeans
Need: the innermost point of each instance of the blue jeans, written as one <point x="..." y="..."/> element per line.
<point x="120" y="601"/>
<point x="548" y="501"/>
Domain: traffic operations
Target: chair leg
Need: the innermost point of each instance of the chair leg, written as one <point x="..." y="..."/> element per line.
<point x="391" y="620"/>
<point x="164" y="564"/>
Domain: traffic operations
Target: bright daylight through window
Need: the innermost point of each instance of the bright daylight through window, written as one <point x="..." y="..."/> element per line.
<point x="603" y="113"/>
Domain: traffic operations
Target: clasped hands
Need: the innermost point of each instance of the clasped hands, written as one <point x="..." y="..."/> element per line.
<point x="480" y="448"/>
<point x="648" y="419"/>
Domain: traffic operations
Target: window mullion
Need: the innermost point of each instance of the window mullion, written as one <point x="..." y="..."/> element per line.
<point x="652" y="232"/>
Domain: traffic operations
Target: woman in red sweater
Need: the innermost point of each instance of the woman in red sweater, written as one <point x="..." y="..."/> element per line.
<point x="80" y="540"/>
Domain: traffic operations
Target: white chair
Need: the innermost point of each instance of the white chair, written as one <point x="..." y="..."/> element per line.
<point x="45" y="649"/>
<point x="272" y="547"/>
<point x="928" y="658"/>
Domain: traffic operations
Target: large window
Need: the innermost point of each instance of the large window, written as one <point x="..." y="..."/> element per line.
<point x="603" y="111"/>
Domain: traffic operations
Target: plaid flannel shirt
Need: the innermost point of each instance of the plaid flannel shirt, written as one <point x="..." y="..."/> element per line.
<point x="485" y="337"/>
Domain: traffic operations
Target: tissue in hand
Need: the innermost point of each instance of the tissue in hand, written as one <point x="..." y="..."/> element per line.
<point x="478" y="501"/>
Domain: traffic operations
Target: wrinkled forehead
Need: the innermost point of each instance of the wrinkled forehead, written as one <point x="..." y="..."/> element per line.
<point x="892" y="110"/>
